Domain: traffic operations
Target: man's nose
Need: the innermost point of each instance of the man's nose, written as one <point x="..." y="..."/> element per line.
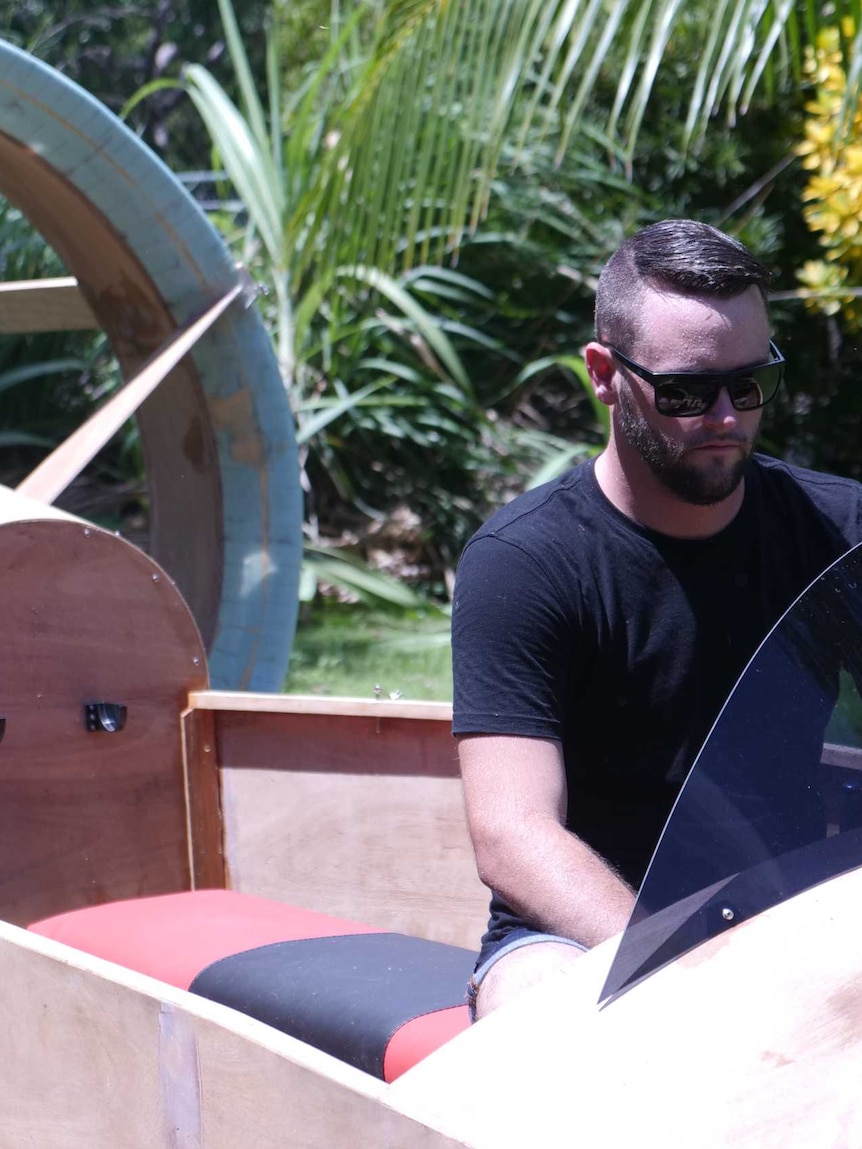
<point x="722" y="410"/>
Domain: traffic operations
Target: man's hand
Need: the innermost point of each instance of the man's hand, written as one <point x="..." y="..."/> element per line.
<point x="515" y="792"/>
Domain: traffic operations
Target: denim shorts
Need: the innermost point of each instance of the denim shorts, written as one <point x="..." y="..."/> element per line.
<point x="514" y="940"/>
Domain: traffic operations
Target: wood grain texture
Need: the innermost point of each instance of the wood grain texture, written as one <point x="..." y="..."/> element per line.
<point x="86" y="817"/>
<point x="234" y="700"/>
<point x="337" y="742"/>
<point x="98" y="1057"/>
<point x="206" y="846"/>
<point x="176" y="433"/>
<point x="352" y="814"/>
<point x="753" y="1040"/>
<point x="391" y="851"/>
<point x="35" y="305"/>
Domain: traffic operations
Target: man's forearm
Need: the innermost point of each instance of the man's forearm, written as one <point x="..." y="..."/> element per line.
<point x="516" y="798"/>
<point x="557" y="883"/>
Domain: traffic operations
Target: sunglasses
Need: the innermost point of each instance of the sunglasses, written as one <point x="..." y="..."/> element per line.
<point x="684" y="394"/>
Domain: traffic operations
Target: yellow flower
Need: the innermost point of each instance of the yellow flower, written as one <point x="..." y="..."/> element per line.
<point x="832" y="198"/>
<point x="824" y="281"/>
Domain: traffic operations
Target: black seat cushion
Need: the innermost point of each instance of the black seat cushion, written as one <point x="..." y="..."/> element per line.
<point x="346" y="995"/>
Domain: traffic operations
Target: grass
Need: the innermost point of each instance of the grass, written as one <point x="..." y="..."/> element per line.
<point x="349" y="648"/>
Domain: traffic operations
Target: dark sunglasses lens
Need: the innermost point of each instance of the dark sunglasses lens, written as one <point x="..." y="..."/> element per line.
<point x="746" y="394"/>
<point x="756" y="389"/>
<point x="682" y="400"/>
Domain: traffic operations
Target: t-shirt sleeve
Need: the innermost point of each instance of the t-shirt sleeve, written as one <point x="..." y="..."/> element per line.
<point x="510" y="644"/>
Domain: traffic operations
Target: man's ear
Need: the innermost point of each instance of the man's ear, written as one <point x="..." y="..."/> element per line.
<point x="601" y="368"/>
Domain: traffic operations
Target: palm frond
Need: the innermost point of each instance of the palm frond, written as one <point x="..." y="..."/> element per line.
<point x="449" y="85"/>
<point x="393" y="171"/>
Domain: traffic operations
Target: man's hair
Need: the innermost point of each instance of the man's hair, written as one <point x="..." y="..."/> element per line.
<point x="679" y="255"/>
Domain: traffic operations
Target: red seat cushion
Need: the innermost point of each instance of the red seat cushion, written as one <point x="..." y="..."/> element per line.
<point x="212" y="937"/>
<point x="421" y="1036"/>
<point x="174" y="936"/>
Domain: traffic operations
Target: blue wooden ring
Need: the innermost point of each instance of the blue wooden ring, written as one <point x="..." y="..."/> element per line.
<point x="218" y="435"/>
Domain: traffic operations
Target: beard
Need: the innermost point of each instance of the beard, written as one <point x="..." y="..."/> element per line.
<point x="667" y="458"/>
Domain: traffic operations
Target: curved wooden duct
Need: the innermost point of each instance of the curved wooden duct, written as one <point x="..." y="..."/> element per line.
<point x="217" y="434"/>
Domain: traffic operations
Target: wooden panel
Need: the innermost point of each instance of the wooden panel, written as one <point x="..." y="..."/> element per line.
<point x="176" y="433"/>
<point x="235" y="700"/>
<point x="204" y="800"/>
<point x="97" y="1057"/>
<point x="358" y="813"/>
<point x="753" y="1040"/>
<point x="15" y="507"/>
<point x="331" y="742"/>
<point x="850" y="757"/>
<point x="44" y="305"/>
<point x="391" y="851"/>
<point x="86" y="817"/>
<point x="348" y="807"/>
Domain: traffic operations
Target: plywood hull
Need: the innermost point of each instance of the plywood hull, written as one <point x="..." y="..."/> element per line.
<point x="95" y="1056"/>
<point x="352" y="807"/>
<point x="755" y="1040"/>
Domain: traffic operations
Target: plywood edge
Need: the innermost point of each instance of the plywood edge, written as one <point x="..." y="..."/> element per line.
<point x="850" y="757"/>
<point x="203" y="799"/>
<point x="754" y="1039"/>
<point x="310" y="704"/>
<point x="17" y="508"/>
<point x="95" y="1055"/>
<point x="35" y="305"/>
<point x="228" y="1019"/>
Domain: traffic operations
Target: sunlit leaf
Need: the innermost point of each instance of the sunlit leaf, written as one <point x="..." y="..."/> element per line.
<point x="23" y="439"/>
<point x="16" y="375"/>
<point x="341" y="569"/>
<point x="425" y="325"/>
<point x="558" y="464"/>
<point x="310" y="426"/>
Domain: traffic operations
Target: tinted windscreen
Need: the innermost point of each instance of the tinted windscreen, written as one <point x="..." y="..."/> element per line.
<point x="773" y="803"/>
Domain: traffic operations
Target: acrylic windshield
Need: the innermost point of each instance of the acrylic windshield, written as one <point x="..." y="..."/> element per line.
<point x="773" y="803"/>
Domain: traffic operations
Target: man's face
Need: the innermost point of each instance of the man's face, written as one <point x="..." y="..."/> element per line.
<point x="701" y="459"/>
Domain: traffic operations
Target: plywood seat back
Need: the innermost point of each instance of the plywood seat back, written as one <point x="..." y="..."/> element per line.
<point x="88" y="817"/>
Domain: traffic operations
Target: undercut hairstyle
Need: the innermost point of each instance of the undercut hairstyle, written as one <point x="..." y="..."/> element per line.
<point x="679" y="255"/>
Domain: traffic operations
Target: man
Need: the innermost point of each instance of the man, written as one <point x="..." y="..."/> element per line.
<point x="600" y="621"/>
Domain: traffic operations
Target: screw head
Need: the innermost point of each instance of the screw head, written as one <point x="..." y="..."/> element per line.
<point x="727" y="913"/>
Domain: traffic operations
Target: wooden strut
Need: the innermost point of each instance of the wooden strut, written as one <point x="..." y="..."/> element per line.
<point x="54" y="474"/>
<point x="35" y="305"/>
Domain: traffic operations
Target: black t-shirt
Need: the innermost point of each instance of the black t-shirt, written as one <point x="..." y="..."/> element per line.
<point x="572" y="622"/>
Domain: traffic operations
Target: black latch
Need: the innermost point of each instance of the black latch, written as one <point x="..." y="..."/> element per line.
<point x="107" y="716"/>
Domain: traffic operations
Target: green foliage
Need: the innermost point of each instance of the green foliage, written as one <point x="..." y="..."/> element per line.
<point x="111" y="50"/>
<point x="430" y="189"/>
<point x="391" y="150"/>
<point x="343" y="649"/>
<point x="331" y="565"/>
<point x="49" y="384"/>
